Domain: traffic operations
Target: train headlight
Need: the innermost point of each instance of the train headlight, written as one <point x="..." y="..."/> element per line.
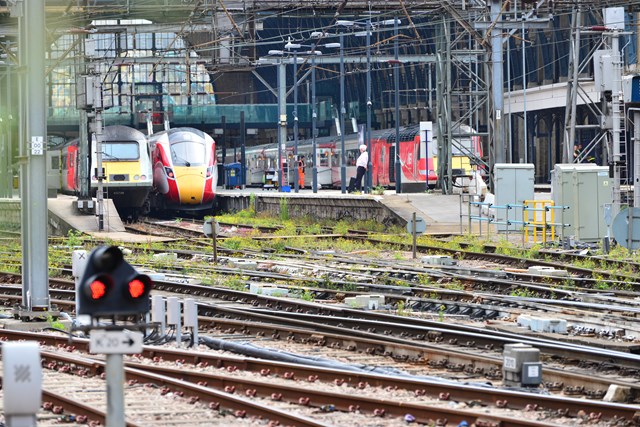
<point x="136" y="177"/>
<point x="169" y="172"/>
<point x="143" y="177"/>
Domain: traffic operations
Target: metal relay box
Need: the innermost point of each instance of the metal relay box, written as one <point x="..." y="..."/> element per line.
<point x="584" y="189"/>
<point x="521" y="365"/>
<point x="514" y="184"/>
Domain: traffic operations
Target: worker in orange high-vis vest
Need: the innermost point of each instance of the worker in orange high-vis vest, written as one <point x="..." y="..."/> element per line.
<point x="301" y="172"/>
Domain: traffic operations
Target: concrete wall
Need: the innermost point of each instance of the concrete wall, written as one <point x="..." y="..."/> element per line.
<point x="351" y="208"/>
<point x="10" y="217"/>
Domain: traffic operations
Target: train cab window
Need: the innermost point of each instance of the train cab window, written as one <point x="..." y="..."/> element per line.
<point x="120" y="151"/>
<point x="187" y="153"/>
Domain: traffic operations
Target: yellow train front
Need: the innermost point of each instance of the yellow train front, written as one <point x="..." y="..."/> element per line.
<point x="184" y="170"/>
<point x="126" y="167"/>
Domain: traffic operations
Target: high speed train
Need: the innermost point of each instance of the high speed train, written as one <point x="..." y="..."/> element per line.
<point x="185" y="171"/>
<point x="126" y="164"/>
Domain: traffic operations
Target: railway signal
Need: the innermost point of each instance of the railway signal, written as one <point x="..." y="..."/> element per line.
<point x="111" y="286"/>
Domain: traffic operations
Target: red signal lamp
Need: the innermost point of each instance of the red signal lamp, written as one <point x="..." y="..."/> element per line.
<point x="98" y="287"/>
<point x="139" y="287"/>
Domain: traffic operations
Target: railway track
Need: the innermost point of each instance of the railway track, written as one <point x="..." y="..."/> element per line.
<point x="472" y="350"/>
<point x="201" y="383"/>
<point x="449" y="322"/>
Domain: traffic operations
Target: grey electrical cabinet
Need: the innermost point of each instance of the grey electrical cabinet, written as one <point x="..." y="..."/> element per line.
<point x="584" y="188"/>
<point x="513" y="185"/>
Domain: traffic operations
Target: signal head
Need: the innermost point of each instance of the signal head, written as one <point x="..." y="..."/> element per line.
<point x="111" y="286"/>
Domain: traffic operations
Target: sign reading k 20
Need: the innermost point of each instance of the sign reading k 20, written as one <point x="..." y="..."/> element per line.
<point x="115" y="342"/>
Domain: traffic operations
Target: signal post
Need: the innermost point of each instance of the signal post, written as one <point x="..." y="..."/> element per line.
<point x="116" y="297"/>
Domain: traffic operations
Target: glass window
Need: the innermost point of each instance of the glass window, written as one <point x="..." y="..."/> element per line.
<point x="324" y="159"/>
<point x="55" y="163"/>
<point x="352" y="156"/>
<point x="187" y="153"/>
<point x="120" y="151"/>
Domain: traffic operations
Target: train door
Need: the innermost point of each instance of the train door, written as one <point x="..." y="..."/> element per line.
<point x="408" y="161"/>
<point x="70" y="167"/>
<point x="326" y="161"/>
<point x="391" y="167"/>
<point x="379" y="155"/>
<point x="54" y="174"/>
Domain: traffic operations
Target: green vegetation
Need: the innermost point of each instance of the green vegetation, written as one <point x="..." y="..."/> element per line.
<point x="55" y="323"/>
<point x="74" y="238"/>
<point x="454" y="285"/>
<point x="523" y="292"/>
<point x="377" y="190"/>
<point x="401" y="309"/>
<point x="284" y="209"/>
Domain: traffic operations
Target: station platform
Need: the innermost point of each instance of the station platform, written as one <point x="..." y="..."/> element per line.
<point x="63" y="216"/>
<point x="442" y="213"/>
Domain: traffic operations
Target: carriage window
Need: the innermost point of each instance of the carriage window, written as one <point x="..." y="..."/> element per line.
<point x="120" y="151"/>
<point x="324" y="158"/>
<point x="352" y="156"/>
<point x="55" y="163"/>
<point x="187" y="153"/>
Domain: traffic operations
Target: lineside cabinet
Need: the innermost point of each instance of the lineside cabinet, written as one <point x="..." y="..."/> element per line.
<point x="513" y="185"/>
<point x="584" y="188"/>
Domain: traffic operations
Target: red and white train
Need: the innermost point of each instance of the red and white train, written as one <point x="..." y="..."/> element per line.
<point x="418" y="158"/>
<point x="185" y="173"/>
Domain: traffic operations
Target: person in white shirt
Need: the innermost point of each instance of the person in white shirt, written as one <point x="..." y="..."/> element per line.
<point x="361" y="163"/>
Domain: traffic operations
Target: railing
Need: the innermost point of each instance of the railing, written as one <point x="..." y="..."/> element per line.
<point x="543" y="223"/>
<point x="538" y="218"/>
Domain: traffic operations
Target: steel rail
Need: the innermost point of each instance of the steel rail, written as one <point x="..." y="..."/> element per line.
<point x="446" y="391"/>
<point x="203" y="393"/>
<point x="505" y="259"/>
<point x="72" y="406"/>
<point x="400" y="348"/>
<point x="423" y="412"/>
<point x="481" y="337"/>
<point x="452" y="332"/>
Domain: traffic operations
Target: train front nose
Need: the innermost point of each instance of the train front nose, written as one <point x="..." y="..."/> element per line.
<point x="191" y="183"/>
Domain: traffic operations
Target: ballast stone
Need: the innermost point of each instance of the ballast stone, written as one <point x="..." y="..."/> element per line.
<point x="617" y="393"/>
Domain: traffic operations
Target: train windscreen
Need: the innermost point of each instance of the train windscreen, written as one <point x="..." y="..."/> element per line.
<point x="120" y="151"/>
<point x="187" y="153"/>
